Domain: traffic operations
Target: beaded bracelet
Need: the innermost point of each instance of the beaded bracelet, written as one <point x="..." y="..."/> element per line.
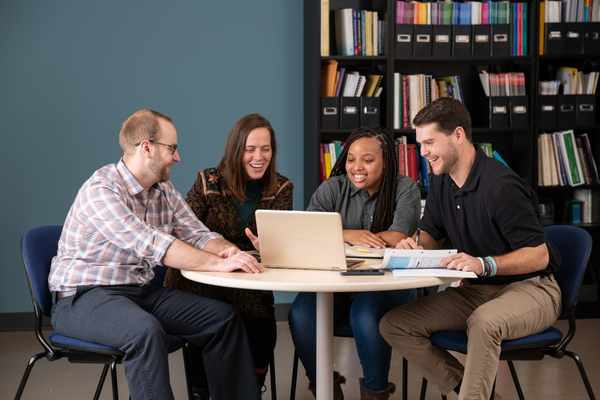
<point x="492" y="264"/>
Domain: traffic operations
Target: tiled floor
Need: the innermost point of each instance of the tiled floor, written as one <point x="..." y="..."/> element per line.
<point x="548" y="379"/>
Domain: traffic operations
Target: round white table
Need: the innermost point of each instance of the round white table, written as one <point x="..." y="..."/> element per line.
<point x="324" y="283"/>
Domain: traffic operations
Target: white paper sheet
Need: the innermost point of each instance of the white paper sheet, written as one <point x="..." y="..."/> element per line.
<point x="437" y="273"/>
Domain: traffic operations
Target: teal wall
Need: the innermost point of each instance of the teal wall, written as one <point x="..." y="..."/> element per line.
<point x="71" y="71"/>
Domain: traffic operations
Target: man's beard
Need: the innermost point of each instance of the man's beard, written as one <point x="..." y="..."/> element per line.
<point x="163" y="173"/>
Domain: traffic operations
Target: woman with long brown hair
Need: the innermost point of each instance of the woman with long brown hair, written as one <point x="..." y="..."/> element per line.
<point x="224" y="199"/>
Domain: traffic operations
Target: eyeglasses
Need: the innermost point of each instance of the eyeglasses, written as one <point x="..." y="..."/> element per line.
<point x="172" y="147"/>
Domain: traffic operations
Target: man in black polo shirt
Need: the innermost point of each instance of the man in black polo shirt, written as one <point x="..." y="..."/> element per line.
<point x="488" y="213"/>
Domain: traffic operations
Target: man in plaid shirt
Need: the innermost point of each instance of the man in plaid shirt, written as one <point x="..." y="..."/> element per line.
<point x="126" y="219"/>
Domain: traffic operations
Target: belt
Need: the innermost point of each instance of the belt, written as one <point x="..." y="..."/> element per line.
<point x="62" y="295"/>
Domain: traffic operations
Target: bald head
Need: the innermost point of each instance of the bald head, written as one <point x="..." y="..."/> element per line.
<point x="142" y="124"/>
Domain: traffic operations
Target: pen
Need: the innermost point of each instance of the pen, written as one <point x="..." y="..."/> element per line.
<point x="417" y="236"/>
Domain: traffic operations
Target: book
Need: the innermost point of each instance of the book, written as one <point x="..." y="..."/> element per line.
<point x="572" y="158"/>
<point x="362" y="252"/>
<point x="324" y="28"/>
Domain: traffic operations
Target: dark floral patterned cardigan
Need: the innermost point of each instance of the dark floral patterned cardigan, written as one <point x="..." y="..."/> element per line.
<point x="214" y="206"/>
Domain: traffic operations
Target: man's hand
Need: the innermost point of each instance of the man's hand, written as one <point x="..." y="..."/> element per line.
<point x="228" y="251"/>
<point x="363" y="237"/>
<point x="408" y="244"/>
<point x="253" y="238"/>
<point x="239" y="261"/>
<point x="463" y="262"/>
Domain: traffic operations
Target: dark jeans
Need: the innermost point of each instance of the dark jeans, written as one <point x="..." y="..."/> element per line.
<point x="262" y="335"/>
<point x="362" y="311"/>
<point x="136" y="319"/>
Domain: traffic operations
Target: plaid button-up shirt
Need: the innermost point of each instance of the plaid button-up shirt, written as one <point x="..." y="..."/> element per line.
<point x="116" y="232"/>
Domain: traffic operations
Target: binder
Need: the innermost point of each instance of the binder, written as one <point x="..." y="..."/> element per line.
<point x="519" y="114"/>
<point x="554" y="39"/>
<point x="499" y="112"/>
<point x="591" y="38"/>
<point x="566" y="117"/>
<point x="461" y="41"/>
<point x="404" y="40"/>
<point x="547" y="112"/>
<point x="370" y="115"/>
<point x="442" y="41"/>
<point x="330" y="116"/>
<point x="585" y="112"/>
<point x="422" y="41"/>
<point x="500" y="40"/>
<point x="573" y="38"/>
<point x="481" y="41"/>
<point x="350" y="112"/>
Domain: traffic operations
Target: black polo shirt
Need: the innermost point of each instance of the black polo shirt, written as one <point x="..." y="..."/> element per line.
<point x="494" y="213"/>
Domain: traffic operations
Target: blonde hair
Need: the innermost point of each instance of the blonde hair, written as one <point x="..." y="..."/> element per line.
<point x="142" y="124"/>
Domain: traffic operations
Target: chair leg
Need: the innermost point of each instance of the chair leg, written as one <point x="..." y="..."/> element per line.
<point x="294" y="377"/>
<point x="113" y="377"/>
<point x="101" y="381"/>
<point x="588" y="387"/>
<point x="26" y="373"/>
<point x="273" y="379"/>
<point x="423" y="389"/>
<point x="404" y="379"/>
<point x="187" y="368"/>
<point x="515" y="378"/>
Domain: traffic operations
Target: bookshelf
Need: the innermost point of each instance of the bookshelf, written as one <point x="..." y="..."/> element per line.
<point x="515" y="144"/>
<point x="518" y="146"/>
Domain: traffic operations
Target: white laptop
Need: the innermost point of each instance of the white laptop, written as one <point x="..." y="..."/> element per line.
<point x="301" y="239"/>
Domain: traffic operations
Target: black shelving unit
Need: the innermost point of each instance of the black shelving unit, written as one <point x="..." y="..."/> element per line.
<point x="517" y="146"/>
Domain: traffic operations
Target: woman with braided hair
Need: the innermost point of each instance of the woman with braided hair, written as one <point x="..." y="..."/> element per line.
<point x="378" y="208"/>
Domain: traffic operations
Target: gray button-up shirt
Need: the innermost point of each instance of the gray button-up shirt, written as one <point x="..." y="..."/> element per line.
<point x="338" y="194"/>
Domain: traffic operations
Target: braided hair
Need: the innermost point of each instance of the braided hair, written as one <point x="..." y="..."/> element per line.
<point x="386" y="196"/>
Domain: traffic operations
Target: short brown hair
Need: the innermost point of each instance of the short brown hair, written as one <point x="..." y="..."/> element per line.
<point x="142" y="124"/>
<point x="231" y="165"/>
<point x="448" y="113"/>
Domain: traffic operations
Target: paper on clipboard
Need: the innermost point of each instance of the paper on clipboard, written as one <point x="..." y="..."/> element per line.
<point x="408" y="259"/>
<point x="434" y="272"/>
<point x="421" y="263"/>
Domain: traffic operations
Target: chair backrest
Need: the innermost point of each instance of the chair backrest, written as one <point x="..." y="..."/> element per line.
<point x="574" y="245"/>
<point x="38" y="246"/>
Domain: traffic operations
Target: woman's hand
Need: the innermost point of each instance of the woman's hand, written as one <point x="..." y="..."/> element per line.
<point x="362" y="237"/>
<point x="253" y="238"/>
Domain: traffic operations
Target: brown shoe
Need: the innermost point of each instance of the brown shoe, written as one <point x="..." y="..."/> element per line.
<point x="368" y="394"/>
<point x="338" y="380"/>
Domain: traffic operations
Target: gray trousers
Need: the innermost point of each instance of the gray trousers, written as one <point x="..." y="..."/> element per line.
<point x="136" y="320"/>
<point x="489" y="314"/>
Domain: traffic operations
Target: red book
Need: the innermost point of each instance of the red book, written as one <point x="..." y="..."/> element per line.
<point x="412" y="161"/>
<point x="401" y="159"/>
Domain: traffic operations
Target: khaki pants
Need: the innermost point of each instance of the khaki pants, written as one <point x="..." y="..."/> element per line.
<point x="489" y="314"/>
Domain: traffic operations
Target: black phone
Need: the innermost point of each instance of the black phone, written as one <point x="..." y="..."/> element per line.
<point x="362" y="272"/>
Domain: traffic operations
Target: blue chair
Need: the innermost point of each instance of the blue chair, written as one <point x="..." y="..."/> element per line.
<point x="38" y="246"/>
<point x="574" y="246"/>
